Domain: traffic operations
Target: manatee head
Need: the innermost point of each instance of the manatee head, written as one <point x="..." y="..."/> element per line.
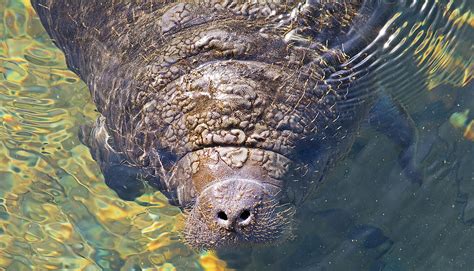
<point x="245" y="130"/>
<point x="234" y="196"/>
<point x="248" y="119"/>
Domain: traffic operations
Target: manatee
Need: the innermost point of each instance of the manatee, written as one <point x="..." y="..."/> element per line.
<point x="234" y="110"/>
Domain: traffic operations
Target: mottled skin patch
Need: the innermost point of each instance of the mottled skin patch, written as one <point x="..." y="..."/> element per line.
<point x="222" y="105"/>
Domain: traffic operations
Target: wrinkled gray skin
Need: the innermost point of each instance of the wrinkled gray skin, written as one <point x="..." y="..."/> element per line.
<point x="223" y="106"/>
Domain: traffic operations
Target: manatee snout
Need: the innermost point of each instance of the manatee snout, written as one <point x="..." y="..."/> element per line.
<point x="237" y="211"/>
<point x="235" y="202"/>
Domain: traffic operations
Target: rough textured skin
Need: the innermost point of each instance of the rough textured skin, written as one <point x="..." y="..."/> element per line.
<point x="221" y="105"/>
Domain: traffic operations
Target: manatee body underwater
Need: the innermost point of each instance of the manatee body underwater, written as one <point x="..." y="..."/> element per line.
<point x="233" y="110"/>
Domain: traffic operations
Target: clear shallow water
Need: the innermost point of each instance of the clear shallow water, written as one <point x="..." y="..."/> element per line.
<point x="57" y="213"/>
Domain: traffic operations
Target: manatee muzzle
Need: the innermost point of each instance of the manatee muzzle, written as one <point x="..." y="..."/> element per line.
<point x="234" y="204"/>
<point x="236" y="212"/>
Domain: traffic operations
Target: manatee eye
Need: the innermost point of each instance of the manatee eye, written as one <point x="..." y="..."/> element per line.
<point x="245" y="214"/>
<point x="222" y="215"/>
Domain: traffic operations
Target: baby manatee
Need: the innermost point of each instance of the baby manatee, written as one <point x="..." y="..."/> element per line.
<point x="233" y="110"/>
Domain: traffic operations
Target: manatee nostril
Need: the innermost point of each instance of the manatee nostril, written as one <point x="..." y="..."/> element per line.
<point x="222" y="215"/>
<point x="245" y="214"/>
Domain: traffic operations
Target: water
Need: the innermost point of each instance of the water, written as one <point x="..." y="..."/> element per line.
<point x="57" y="213"/>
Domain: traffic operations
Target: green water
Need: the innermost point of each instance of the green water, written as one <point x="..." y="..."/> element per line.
<point x="56" y="213"/>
